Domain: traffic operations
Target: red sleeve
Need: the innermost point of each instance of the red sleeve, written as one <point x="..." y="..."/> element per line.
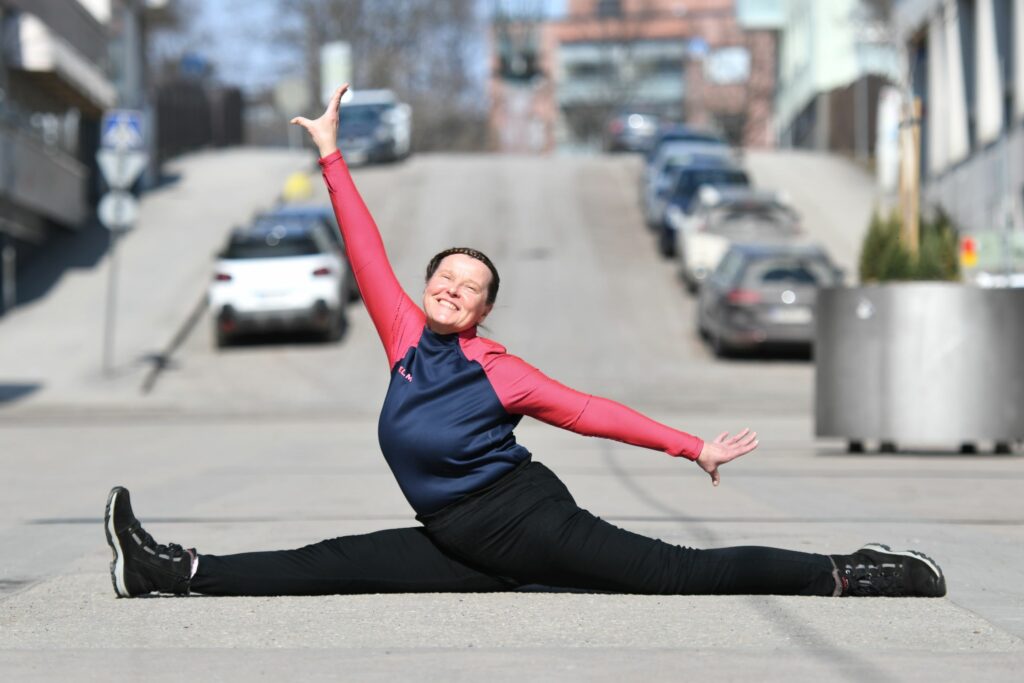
<point x="525" y="390"/>
<point x="398" y="320"/>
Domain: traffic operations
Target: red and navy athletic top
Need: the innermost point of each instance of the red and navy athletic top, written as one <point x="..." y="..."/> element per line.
<point x="454" y="399"/>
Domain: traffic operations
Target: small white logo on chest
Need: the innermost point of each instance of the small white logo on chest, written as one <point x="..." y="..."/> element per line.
<point x="403" y="373"/>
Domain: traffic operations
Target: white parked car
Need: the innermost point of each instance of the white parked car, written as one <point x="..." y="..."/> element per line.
<point x="279" y="274"/>
<point x="721" y="216"/>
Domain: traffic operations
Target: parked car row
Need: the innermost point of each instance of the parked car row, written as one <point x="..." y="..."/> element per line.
<point x="285" y="271"/>
<point x="739" y="249"/>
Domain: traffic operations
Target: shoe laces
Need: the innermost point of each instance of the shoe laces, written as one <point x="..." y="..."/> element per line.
<point x="164" y="551"/>
<point x="866" y="577"/>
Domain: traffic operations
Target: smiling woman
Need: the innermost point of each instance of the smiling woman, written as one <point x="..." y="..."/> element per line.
<point x="493" y="518"/>
<point x="462" y="285"/>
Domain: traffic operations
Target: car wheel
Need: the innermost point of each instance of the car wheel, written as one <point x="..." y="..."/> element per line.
<point x="719" y="347"/>
<point x="221" y="339"/>
<point x="336" y="327"/>
<point x="666" y="243"/>
<point x="353" y="293"/>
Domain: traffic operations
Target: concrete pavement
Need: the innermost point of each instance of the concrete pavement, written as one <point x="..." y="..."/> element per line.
<point x="273" y="444"/>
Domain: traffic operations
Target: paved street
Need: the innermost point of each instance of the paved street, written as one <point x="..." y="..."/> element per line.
<point x="272" y="444"/>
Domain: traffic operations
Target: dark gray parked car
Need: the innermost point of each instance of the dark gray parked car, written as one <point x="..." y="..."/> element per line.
<point x="764" y="295"/>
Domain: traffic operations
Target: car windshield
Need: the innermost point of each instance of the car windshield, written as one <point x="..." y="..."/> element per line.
<point x="690" y="180"/>
<point x="675" y="165"/>
<point x="362" y="113"/>
<point x="738" y="221"/>
<point x="691" y="136"/>
<point x="273" y="244"/>
<point x="301" y="221"/>
<point x="787" y="271"/>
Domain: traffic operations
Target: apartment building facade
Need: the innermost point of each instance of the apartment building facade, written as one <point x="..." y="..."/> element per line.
<point x="710" y="63"/>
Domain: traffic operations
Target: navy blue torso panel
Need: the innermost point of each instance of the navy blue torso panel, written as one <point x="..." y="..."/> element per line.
<point x="442" y="429"/>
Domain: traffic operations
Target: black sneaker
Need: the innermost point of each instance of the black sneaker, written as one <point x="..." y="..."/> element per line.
<point x="878" y="570"/>
<point x="140" y="565"/>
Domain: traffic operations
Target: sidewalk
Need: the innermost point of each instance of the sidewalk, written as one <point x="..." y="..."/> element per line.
<point x="51" y="350"/>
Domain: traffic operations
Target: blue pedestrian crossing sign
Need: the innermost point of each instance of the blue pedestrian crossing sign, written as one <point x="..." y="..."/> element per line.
<point x="121" y="129"/>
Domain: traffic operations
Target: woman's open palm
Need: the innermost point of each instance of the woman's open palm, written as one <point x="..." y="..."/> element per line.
<point x="725" y="449"/>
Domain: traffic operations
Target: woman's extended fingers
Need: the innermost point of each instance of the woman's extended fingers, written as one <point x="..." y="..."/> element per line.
<point x="335" y="101"/>
<point x="324" y="130"/>
<point x="725" y="449"/>
<point x="744" y="436"/>
<point x="741" y="444"/>
<point x="329" y="112"/>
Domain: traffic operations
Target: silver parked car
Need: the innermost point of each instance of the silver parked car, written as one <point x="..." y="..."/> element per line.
<point x="720" y="216"/>
<point x="764" y="295"/>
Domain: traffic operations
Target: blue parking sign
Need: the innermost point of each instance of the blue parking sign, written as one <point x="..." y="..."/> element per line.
<point x="121" y="129"/>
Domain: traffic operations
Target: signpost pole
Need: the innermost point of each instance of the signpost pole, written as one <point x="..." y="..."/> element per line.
<point x="110" y="314"/>
<point x="122" y="159"/>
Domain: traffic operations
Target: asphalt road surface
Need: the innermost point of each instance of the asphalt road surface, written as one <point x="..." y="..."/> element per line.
<point x="272" y="443"/>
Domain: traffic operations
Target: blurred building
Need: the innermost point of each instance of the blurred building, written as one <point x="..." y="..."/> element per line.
<point x="54" y="86"/>
<point x="62" y="64"/>
<point x="834" y="57"/>
<point x="711" y="63"/>
<point x="966" y="65"/>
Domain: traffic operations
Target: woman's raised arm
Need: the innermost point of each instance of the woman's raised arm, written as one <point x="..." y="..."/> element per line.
<point x="394" y="314"/>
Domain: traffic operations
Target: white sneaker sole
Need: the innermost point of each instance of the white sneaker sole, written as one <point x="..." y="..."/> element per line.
<point x="882" y="548"/>
<point x="117" y="566"/>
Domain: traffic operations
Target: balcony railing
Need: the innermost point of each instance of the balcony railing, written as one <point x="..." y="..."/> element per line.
<point x="72" y="22"/>
<point x="37" y="48"/>
<point x="39" y="177"/>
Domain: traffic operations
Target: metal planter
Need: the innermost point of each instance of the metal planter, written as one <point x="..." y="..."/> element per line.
<point x="925" y="363"/>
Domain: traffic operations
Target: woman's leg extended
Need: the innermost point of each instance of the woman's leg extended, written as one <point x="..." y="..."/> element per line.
<point x="392" y="561"/>
<point x="531" y="529"/>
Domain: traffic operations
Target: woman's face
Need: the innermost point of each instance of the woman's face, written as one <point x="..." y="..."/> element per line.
<point x="455" y="298"/>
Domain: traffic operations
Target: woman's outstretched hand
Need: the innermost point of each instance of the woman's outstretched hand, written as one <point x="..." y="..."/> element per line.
<point x="725" y="449"/>
<point x="324" y="130"/>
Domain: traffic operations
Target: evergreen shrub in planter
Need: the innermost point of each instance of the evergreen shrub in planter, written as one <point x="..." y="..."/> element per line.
<point x="914" y="357"/>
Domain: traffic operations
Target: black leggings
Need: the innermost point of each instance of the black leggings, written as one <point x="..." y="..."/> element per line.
<point x="525" y="529"/>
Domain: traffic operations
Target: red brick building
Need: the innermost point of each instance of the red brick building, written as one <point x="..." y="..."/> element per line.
<point x="557" y="81"/>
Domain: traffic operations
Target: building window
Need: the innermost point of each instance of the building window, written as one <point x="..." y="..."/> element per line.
<point x="609" y="8"/>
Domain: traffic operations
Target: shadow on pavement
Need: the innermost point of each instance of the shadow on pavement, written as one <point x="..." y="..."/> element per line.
<point x="43" y="269"/>
<point x="278" y="338"/>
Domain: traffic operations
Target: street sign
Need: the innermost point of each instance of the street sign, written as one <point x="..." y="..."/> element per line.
<point x="122" y="129"/>
<point x="120" y="168"/>
<point x="118" y="210"/>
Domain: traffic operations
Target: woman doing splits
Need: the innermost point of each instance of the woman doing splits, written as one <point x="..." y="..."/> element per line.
<point x="492" y="518"/>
